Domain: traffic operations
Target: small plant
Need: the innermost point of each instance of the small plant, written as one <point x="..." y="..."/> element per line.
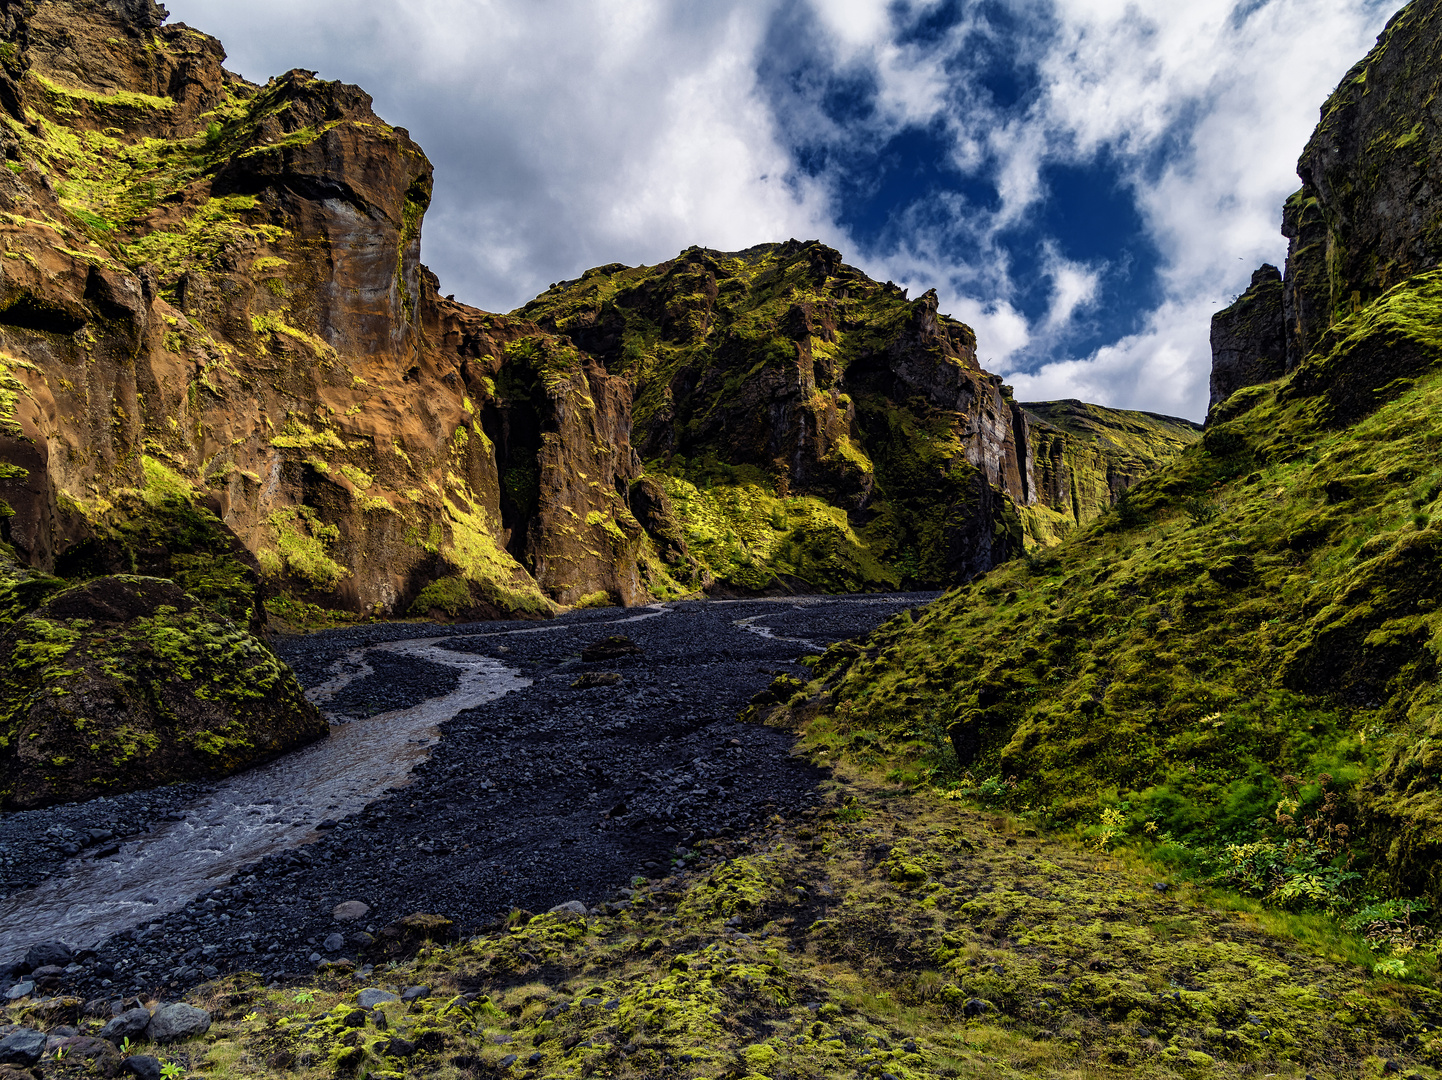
<point x="1200" y="509"/>
<point x="1391" y="969"/>
<point x="213" y="133"/>
<point x="170" y="1070"/>
<point x="304" y="997"/>
<point x="248" y="1017"/>
<point x="125" y="1045"/>
<point x="1113" y="822"/>
<point x="851" y="811"/>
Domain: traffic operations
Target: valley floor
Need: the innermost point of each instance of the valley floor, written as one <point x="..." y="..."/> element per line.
<point x="802" y="919"/>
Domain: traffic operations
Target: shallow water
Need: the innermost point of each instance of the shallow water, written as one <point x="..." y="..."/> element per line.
<point x="266" y="809"/>
<point x="251" y="814"/>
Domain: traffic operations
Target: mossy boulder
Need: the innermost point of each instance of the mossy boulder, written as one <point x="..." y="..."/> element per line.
<point x="127" y="682"/>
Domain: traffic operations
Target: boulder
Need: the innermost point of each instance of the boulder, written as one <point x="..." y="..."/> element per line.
<point x="143" y="1066"/>
<point x="23" y="1046"/>
<point x="100" y="1056"/>
<point x="370" y="997"/>
<point x="48" y="954"/>
<point x="176" y="1022"/>
<point x="130" y="1024"/>
<point x="143" y="686"/>
<point x="350" y="911"/>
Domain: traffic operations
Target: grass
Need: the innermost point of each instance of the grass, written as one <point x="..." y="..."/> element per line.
<point x="1014" y="951"/>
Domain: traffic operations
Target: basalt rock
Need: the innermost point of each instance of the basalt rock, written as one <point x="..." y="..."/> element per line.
<point x="237" y="299"/>
<point x="235" y="319"/>
<point x="1249" y="339"/>
<point x="806" y="428"/>
<point x="127" y="682"/>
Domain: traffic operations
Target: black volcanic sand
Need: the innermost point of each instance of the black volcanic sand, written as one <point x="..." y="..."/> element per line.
<point x="548" y="795"/>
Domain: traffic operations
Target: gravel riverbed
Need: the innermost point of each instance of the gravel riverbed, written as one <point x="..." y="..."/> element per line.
<point x="545" y="795"/>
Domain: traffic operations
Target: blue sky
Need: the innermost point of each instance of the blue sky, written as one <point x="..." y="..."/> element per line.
<point x="1083" y="181"/>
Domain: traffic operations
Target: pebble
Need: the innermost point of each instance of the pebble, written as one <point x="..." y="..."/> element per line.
<point x="371" y="997"/>
<point x="415" y="993"/>
<point x="334" y="943"/>
<point x="663" y="749"/>
<point x="20" y="990"/>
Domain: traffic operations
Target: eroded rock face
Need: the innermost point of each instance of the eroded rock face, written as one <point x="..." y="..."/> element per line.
<point x="779" y="370"/>
<point x="237" y="298"/>
<point x="1249" y="339"/>
<point x="235" y="313"/>
<point x="127" y="682"/>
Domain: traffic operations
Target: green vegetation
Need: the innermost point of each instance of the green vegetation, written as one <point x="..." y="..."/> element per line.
<point x="778" y="374"/>
<point x="1238" y="662"/>
<point x="884" y="934"/>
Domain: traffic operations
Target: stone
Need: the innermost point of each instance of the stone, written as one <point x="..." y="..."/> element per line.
<point x="506" y="1062"/>
<point x="571" y="909"/>
<point x="172" y="1023"/>
<point x="130" y="1024"/>
<point x="20" y="990"/>
<point x="400" y="1048"/>
<point x="614" y="647"/>
<point x="370" y="997"/>
<point x="415" y="993"/>
<point x="350" y="911"/>
<point x="142" y="1066"/>
<point x="592" y="679"/>
<point x="99" y="1054"/>
<point x="333" y="943"/>
<point x="975" y="1007"/>
<point x="1249" y="339"/>
<point x="361" y="940"/>
<point x="357" y="1018"/>
<point x="23" y="1046"/>
<point x="47" y="954"/>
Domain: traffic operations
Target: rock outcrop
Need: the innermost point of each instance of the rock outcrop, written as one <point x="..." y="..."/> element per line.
<point x="818" y="429"/>
<point x="220" y="282"/>
<point x="1249" y="339"/>
<point x="127" y="682"/>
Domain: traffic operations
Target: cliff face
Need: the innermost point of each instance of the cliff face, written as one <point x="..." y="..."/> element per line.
<point x="1249" y="339"/>
<point x="819" y="427"/>
<point x="224" y="279"/>
<point x="1242" y="660"/>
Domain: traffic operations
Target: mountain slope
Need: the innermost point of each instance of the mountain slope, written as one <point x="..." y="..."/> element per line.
<point x="1255" y="626"/>
<point x="843" y="436"/>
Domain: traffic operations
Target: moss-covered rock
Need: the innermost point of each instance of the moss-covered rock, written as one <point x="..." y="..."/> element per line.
<point x="128" y="682"/>
<point x="820" y="431"/>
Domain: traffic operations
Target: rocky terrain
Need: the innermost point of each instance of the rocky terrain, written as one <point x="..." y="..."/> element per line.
<point x="1160" y="799"/>
<point x="555" y="792"/>
<point x="223" y="280"/>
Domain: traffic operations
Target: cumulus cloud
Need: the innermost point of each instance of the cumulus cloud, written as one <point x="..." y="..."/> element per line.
<point x="566" y="133"/>
<point x="569" y="133"/>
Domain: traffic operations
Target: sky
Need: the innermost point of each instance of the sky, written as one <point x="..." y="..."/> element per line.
<point x="1084" y="182"/>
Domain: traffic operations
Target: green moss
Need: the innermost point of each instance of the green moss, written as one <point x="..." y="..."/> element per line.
<point x="449" y="594"/>
<point x="303" y="542"/>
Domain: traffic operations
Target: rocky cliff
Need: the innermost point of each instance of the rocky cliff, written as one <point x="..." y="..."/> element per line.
<point x="223" y="280"/>
<point x="1238" y="666"/>
<point x="820" y="429"/>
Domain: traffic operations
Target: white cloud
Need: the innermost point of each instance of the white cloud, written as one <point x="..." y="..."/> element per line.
<point x="569" y="133"/>
<point x="566" y="133"/>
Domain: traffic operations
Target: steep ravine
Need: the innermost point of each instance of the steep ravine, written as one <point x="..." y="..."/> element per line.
<point x="504" y="810"/>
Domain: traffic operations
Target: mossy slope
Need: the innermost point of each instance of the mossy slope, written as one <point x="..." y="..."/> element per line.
<point x="826" y="432"/>
<point x="1265" y="605"/>
<point x="127" y="682"/>
<point x="903" y="936"/>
